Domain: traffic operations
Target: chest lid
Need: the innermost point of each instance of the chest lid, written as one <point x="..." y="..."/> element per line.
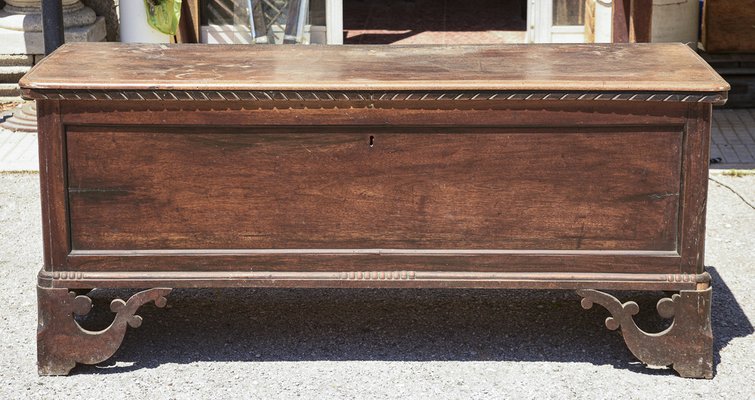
<point x="120" y="71"/>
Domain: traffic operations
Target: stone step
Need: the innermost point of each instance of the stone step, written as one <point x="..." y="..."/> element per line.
<point x="16" y="60"/>
<point x="15" y="125"/>
<point x="9" y="90"/>
<point x="10" y="99"/>
<point x="24" y="119"/>
<point x="11" y="74"/>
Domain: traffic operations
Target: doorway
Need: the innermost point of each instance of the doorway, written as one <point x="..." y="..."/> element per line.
<point x="434" y="21"/>
<point x="556" y="21"/>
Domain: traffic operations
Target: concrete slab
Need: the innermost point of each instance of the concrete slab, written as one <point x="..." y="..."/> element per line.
<point x="18" y="151"/>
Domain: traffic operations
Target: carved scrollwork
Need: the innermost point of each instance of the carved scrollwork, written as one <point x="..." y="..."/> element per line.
<point x="62" y="342"/>
<point x="687" y="344"/>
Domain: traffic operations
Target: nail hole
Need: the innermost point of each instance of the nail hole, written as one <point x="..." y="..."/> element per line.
<point x="372" y="140"/>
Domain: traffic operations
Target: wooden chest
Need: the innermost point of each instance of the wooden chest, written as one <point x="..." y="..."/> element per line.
<point x="728" y="26"/>
<point x="565" y="167"/>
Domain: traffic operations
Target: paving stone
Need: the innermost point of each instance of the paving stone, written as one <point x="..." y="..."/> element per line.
<point x="18" y="151"/>
<point x="734" y="138"/>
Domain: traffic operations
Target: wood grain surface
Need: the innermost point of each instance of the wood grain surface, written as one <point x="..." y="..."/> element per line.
<point x="594" y="67"/>
<point x="729" y="26"/>
<point x="374" y="187"/>
<point x="556" y="192"/>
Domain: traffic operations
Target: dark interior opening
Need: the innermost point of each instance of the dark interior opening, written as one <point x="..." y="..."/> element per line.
<point x="434" y="21"/>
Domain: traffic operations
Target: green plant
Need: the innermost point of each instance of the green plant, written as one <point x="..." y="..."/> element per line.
<point x="163" y="15"/>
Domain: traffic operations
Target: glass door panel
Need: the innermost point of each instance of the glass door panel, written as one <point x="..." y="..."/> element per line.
<point x="231" y="21"/>
<point x="568" y="12"/>
<point x="556" y="21"/>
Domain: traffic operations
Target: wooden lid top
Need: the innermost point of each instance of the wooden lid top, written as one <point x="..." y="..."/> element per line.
<point x="86" y="68"/>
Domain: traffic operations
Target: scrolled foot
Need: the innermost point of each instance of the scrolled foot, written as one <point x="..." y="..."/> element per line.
<point x="686" y="345"/>
<point x="62" y="342"/>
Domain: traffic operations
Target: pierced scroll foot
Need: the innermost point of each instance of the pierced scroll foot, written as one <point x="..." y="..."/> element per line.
<point x="62" y="342"/>
<point x="686" y="345"/>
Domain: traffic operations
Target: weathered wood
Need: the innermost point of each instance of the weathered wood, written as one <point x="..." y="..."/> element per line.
<point x="455" y="167"/>
<point x="620" y="26"/>
<point x="641" y="22"/>
<point x="369" y="188"/>
<point x="687" y="344"/>
<point x="514" y="114"/>
<point x="62" y="342"/>
<point x="361" y="277"/>
<point x="305" y="261"/>
<point x="695" y="174"/>
<point x="589" y="21"/>
<point x="559" y="68"/>
<point x="52" y="167"/>
<point x="188" y="25"/>
<point x="729" y="26"/>
<point x="632" y="21"/>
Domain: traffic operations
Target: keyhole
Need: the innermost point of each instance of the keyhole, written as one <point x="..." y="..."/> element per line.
<point x="372" y="140"/>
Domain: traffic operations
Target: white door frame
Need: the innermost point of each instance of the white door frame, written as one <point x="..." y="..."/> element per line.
<point x="540" y="27"/>
<point x="334" y="21"/>
<point x="241" y="34"/>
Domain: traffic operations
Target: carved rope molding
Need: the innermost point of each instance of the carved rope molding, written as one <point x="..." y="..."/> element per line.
<point x="388" y="96"/>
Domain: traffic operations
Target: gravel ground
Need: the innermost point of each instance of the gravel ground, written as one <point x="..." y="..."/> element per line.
<point x="377" y="343"/>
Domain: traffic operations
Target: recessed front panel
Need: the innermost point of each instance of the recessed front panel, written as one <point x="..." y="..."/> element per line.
<point x="372" y="188"/>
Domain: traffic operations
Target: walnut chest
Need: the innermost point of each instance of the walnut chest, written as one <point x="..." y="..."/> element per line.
<point x="562" y="167"/>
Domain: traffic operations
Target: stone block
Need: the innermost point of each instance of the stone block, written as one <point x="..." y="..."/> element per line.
<point x="109" y="10"/>
<point x="18" y="42"/>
